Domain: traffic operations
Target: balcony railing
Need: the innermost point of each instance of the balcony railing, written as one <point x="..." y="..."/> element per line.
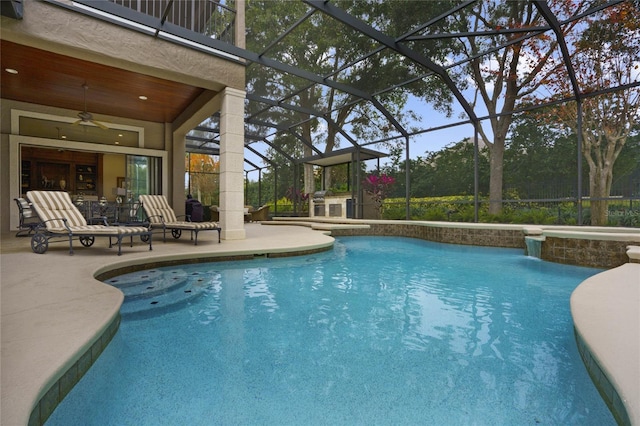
<point x="208" y="17"/>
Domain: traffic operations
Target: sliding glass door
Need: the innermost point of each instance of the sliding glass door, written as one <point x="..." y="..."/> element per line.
<point x="144" y="175"/>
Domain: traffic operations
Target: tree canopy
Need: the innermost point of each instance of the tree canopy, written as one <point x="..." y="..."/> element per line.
<point x="492" y="59"/>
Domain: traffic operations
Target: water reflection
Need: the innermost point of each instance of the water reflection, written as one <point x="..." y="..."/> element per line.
<point x="389" y="331"/>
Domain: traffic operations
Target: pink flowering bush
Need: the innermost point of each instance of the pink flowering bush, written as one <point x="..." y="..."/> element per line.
<point x="298" y="198"/>
<point x="377" y="186"/>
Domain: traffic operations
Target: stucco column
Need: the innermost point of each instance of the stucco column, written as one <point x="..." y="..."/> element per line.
<point x="240" y="24"/>
<point x="232" y="164"/>
<point x="176" y="147"/>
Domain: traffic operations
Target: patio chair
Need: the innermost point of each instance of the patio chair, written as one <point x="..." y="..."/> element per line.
<point x="28" y="219"/>
<point x="161" y="215"/>
<point x="260" y="214"/>
<point x="215" y="213"/>
<point x="247" y="213"/>
<point x="60" y="218"/>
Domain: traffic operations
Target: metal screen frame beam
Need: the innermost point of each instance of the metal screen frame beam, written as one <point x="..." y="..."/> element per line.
<point x="367" y="30"/>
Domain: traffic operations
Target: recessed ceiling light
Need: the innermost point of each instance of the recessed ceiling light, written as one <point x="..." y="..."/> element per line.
<point x="11" y="70"/>
<point x="63" y="137"/>
<point x="117" y="143"/>
<point x="142" y="97"/>
<point x="119" y="135"/>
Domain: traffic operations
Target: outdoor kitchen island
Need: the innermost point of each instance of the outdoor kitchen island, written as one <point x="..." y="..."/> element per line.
<point x="325" y="204"/>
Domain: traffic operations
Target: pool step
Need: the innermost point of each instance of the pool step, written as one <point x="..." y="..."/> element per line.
<point x="151" y="293"/>
<point x="160" y="303"/>
<point x="150" y="288"/>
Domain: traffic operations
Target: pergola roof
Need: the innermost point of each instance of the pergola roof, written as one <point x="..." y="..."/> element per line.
<point x="343" y="156"/>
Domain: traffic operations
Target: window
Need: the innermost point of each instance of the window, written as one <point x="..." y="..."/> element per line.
<point x="202" y="178"/>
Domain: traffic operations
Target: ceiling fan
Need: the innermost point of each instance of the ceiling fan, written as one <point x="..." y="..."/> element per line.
<point x="85" y="116"/>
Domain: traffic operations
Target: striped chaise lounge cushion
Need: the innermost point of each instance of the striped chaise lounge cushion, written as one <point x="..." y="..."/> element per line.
<point x="160" y="213"/>
<point x="53" y="207"/>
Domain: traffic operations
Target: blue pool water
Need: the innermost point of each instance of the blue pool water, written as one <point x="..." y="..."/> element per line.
<point x="379" y="331"/>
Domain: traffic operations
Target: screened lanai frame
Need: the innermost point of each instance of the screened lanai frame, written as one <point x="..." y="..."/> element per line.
<point x="267" y="116"/>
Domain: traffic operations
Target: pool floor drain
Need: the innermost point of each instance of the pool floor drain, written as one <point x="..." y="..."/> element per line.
<point x="149" y="288"/>
<point x="187" y="291"/>
<point x="155" y="302"/>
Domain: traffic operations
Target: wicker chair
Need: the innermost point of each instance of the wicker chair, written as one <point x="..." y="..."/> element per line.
<point x="260" y="214"/>
<point x="215" y="213"/>
<point x="247" y="213"/>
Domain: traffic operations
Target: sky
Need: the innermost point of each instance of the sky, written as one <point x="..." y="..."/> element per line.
<point x="438" y="139"/>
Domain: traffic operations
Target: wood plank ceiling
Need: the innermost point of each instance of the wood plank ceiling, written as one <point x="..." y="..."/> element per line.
<point x="51" y="79"/>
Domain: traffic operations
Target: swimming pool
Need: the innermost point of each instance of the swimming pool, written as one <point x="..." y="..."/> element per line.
<point x="377" y="331"/>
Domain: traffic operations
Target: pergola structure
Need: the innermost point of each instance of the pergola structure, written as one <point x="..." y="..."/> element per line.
<point x="283" y="103"/>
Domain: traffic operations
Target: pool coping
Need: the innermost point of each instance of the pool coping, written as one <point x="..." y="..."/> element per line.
<point x="98" y="307"/>
<point x="606" y="320"/>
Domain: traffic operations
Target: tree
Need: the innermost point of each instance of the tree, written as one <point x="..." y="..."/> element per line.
<point x="626" y="171"/>
<point x="452" y="170"/>
<point x="503" y="77"/>
<point x="606" y="55"/>
<point x="325" y="47"/>
<point x="262" y="17"/>
<point x="540" y="159"/>
<point x="278" y="179"/>
<point x="204" y="177"/>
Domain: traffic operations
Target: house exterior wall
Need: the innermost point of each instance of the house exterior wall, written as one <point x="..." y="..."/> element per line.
<point x="57" y="29"/>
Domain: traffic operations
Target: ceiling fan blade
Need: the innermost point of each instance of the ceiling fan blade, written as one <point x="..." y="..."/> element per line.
<point x="85" y="116"/>
<point x="99" y="124"/>
<point x="75" y="123"/>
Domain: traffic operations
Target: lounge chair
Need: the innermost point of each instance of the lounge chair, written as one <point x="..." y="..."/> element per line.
<point x="28" y="218"/>
<point x="161" y="215"/>
<point x="60" y="217"/>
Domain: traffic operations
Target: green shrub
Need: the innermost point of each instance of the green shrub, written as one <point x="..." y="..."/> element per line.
<point x="284" y="205"/>
<point x="461" y="209"/>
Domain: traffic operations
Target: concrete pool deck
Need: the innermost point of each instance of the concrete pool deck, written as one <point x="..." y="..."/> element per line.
<point x="53" y="309"/>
